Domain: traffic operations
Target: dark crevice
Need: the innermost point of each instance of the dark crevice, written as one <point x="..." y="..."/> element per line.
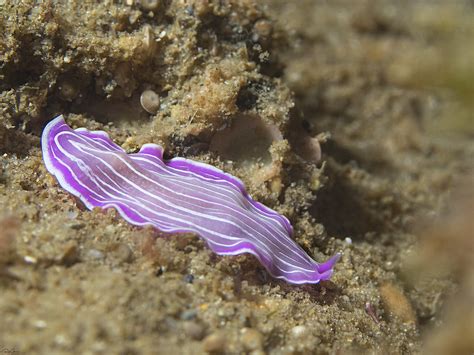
<point x="343" y="208"/>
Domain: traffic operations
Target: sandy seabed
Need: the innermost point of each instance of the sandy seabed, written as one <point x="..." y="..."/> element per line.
<point x="354" y="120"/>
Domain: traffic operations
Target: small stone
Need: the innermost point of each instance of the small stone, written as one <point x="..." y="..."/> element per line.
<point x="150" y="5"/>
<point x="30" y="259"/>
<point x="251" y="339"/>
<point x="95" y="254"/>
<point x="194" y="330"/>
<point x="62" y="340"/>
<point x="276" y="185"/>
<point x="159" y="271"/>
<point x="77" y="226"/>
<point x="189" y="10"/>
<point x="263" y="28"/>
<point x="39" y="324"/>
<point x="150" y="101"/>
<point x="299" y="331"/>
<point x="149" y="43"/>
<point x="310" y="148"/>
<point x="215" y="342"/>
<point x="257" y="352"/>
<point x="123" y="253"/>
<point x="201" y="7"/>
<point x="188" y="314"/>
<point x="70" y="255"/>
<point x="189" y="278"/>
<point x="68" y="90"/>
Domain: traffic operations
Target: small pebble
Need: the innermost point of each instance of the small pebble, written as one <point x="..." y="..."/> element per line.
<point x="150" y="5"/>
<point x="189" y="278"/>
<point x="30" y="259"/>
<point x="194" y="330"/>
<point x="150" y="101"/>
<point x="123" y="253"/>
<point x="77" y="226"/>
<point x="263" y="28"/>
<point x="62" y="340"/>
<point x="299" y="331"/>
<point x="188" y="314"/>
<point x="215" y="342"/>
<point x="159" y="271"/>
<point x="39" y="324"/>
<point x="251" y="339"/>
<point x="189" y="11"/>
<point x="257" y="352"/>
<point x="68" y="90"/>
<point x="95" y="254"/>
<point x="70" y="255"/>
<point x="149" y="43"/>
<point x="201" y="7"/>
<point x="276" y="185"/>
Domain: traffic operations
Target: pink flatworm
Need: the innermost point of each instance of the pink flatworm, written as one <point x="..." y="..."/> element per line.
<point x="177" y="195"/>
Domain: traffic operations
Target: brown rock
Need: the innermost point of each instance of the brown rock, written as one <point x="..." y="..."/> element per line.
<point x="9" y="228"/>
<point x="251" y="339"/>
<point x="396" y="303"/>
<point x="70" y="254"/>
<point x="215" y="342"/>
<point x="194" y="330"/>
<point x="123" y="253"/>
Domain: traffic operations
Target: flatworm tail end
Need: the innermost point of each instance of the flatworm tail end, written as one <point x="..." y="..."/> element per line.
<point x="326" y="269"/>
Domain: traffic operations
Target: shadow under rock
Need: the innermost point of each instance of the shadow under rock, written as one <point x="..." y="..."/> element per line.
<point x="345" y="208"/>
<point x="13" y="141"/>
<point x="370" y="157"/>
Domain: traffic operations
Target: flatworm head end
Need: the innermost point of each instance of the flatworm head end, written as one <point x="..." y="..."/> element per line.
<point x="45" y="141"/>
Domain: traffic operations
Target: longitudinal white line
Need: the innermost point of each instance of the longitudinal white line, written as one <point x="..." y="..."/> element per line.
<point x="89" y="175"/>
<point x="127" y="200"/>
<point x="159" y="223"/>
<point x="285" y="247"/>
<point x="284" y="236"/>
<point x="120" y="187"/>
<point x="168" y="169"/>
<point x="185" y="210"/>
<point x="216" y="190"/>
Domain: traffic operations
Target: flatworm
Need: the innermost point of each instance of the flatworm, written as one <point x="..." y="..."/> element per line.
<point x="176" y="196"/>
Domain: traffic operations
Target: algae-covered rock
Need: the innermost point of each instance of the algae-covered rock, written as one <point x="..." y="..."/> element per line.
<point x="207" y="63"/>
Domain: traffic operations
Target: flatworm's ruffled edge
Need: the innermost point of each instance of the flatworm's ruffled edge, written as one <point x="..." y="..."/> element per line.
<point x="57" y="171"/>
<point x="48" y="162"/>
<point x="325" y="270"/>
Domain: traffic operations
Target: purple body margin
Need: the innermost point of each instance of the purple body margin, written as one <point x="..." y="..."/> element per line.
<point x="178" y="195"/>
